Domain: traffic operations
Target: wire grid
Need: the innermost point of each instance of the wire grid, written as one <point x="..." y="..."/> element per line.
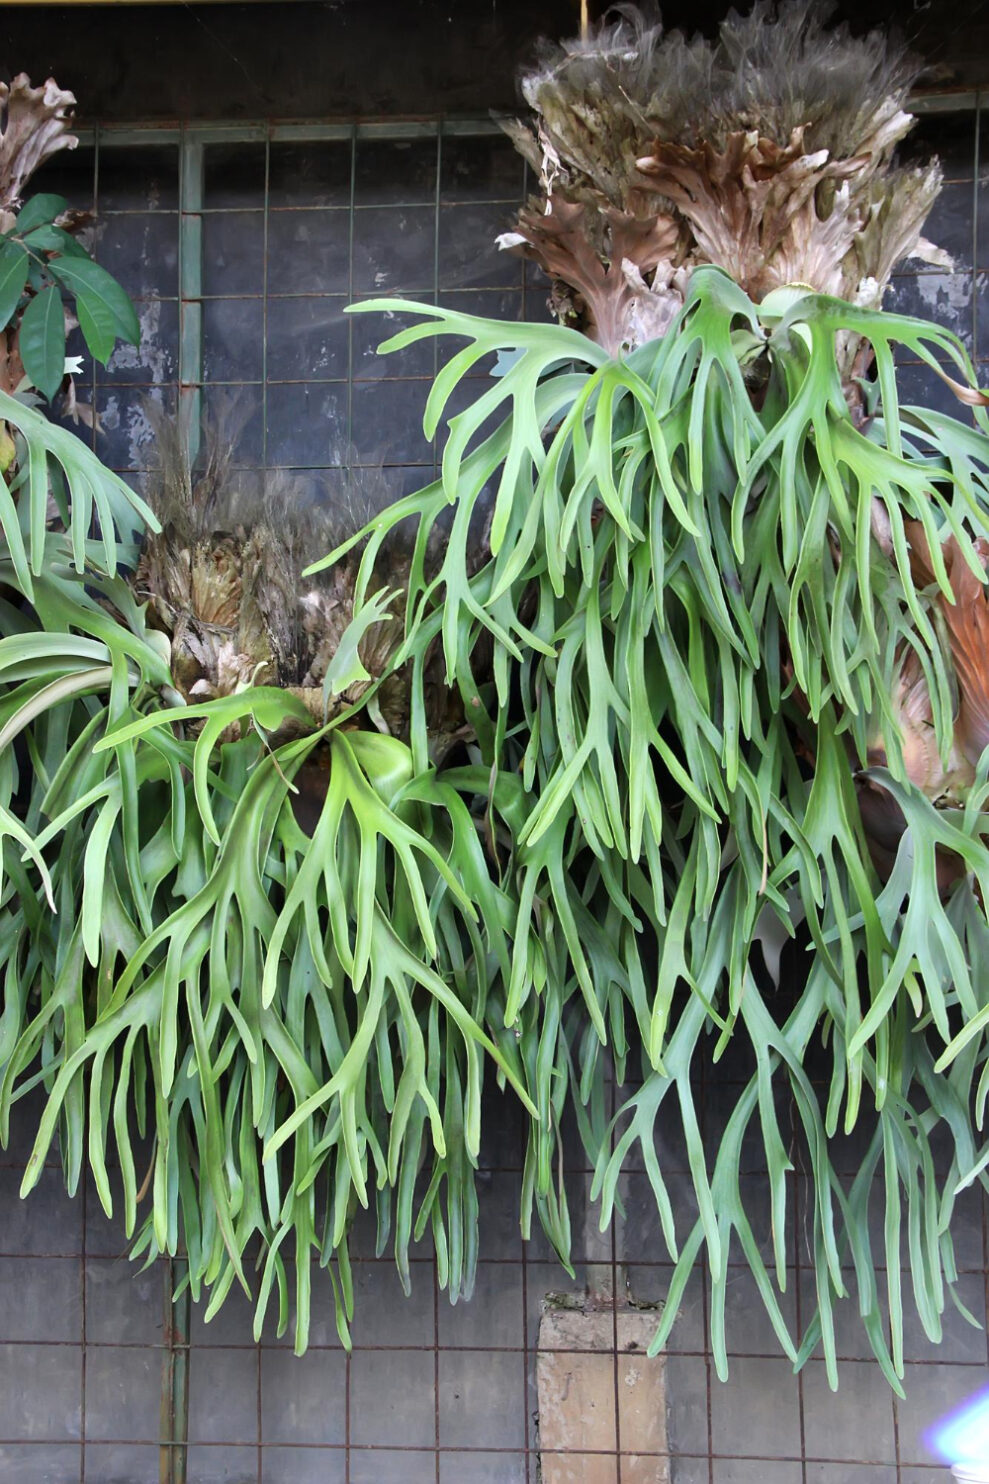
<point x="88" y="1347"/>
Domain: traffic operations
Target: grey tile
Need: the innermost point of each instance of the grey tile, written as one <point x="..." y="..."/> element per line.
<point x="493" y="1316"/>
<point x="125" y="1303"/>
<point x="650" y="1285"/>
<point x="966" y="1230"/>
<point x="960" y="1340"/>
<point x="123" y="1393"/>
<point x="691" y="1470"/>
<point x="756" y="1411"/>
<point x="47" y="1222"/>
<point x="500" y="1234"/>
<point x="686" y="1403"/>
<point x="932" y="1391"/>
<point x="920" y="386"/>
<point x="303" y="1465"/>
<point x="642" y="1237"/>
<point x="40" y="1463"/>
<point x="482" y="1468"/>
<point x="303" y="1398"/>
<point x="222" y="1465"/>
<point x="950" y="223"/>
<point x="392" y="1466"/>
<point x="933" y="1473"/>
<point x="223" y="1395"/>
<point x="40" y="1393"/>
<point x="748" y="1326"/>
<point x="850" y="1473"/>
<point x="242" y="406"/>
<point x="392" y="1399"/>
<point x="481" y="1400"/>
<point x="232" y="1324"/>
<point x="854" y="1422"/>
<point x="754" y="1471"/>
<point x="322" y="1314"/>
<point x="40" y="1298"/>
<point x="384" y="1314"/>
<point x="851" y="1339"/>
<point x="125" y="1463"/>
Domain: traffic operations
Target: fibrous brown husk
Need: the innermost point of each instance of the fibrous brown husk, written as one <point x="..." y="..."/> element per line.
<point x="224" y="580"/>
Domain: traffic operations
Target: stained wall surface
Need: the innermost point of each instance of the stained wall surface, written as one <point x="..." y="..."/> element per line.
<point x="292" y="228"/>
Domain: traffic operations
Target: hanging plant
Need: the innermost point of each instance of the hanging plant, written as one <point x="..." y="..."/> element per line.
<point x="653" y="730"/>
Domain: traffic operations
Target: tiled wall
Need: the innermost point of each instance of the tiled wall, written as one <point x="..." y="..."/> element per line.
<point x="430" y="1393"/>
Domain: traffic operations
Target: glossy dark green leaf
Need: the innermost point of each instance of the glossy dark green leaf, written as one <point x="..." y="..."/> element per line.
<point x="13" y="276"/>
<point x="41" y="341"/>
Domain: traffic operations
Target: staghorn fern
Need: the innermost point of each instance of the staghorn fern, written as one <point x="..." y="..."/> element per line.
<point x="708" y="799"/>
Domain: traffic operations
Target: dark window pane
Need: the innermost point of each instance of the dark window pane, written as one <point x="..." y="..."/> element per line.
<point x="141" y="251"/>
<point x="233" y="253"/>
<point x="370" y="330"/>
<point x="233" y="175"/>
<point x="70" y="173"/>
<point x="393" y="250"/>
<point x="142" y="178"/>
<point x="307" y="339"/>
<point x="156" y="358"/>
<point x="392" y="170"/>
<point x="482" y="168"/>
<point x="308" y="252"/>
<point x="310" y="174"/>
<point x="232" y="339"/>
<point x="388" y="421"/>
<point x="307" y="425"/>
<point x="468" y="254"/>
<point x="238" y="412"/>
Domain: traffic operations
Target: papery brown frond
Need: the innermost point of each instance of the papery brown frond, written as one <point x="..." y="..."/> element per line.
<point x="36" y="123"/>
<point x="609" y="260"/>
<point x="772" y="144"/>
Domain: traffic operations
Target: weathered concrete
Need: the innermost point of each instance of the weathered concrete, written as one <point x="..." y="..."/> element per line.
<point x="599" y="1398"/>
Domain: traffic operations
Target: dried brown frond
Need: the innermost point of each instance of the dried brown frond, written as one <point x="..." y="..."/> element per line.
<point x="34" y="124"/>
<point x="771" y="146"/>
<point x="603" y="263"/>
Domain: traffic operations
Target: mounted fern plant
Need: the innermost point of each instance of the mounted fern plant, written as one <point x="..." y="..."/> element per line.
<point x="650" y="731"/>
